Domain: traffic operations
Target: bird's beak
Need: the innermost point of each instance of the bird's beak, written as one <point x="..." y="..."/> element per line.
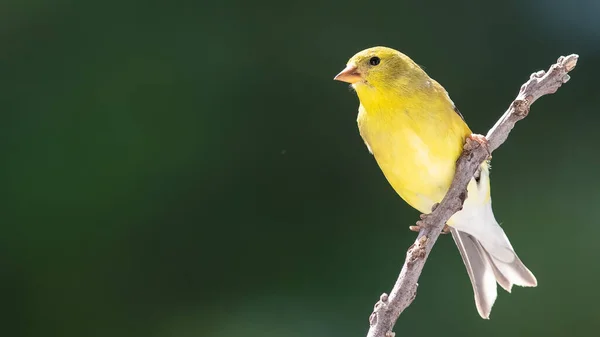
<point x="349" y="75"/>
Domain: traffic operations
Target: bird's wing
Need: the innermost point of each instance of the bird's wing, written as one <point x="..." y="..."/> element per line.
<point x="458" y="112"/>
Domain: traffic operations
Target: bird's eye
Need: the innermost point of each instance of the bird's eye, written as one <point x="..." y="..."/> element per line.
<point x="374" y="61"/>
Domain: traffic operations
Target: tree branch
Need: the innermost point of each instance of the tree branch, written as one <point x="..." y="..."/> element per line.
<point x="476" y="150"/>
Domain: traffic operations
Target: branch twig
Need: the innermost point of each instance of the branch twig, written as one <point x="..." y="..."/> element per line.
<point x="476" y="150"/>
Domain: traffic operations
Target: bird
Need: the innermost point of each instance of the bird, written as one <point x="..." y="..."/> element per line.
<point x="416" y="134"/>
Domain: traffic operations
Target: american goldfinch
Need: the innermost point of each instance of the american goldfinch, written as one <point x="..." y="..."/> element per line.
<point x="416" y="134"/>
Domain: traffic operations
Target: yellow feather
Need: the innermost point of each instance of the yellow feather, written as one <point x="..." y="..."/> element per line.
<point x="416" y="134"/>
<point x="410" y="125"/>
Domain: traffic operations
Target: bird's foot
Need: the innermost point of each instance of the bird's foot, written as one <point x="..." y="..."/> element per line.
<point x="474" y="140"/>
<point x="419" y="225"/>
<point x="422" y="224"/>
<point x="446" y="229"/>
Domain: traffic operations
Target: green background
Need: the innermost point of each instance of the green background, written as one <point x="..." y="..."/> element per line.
<point x="191" y="168"/>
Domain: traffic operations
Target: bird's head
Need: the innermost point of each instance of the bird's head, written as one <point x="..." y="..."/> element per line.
<point x="379" y="68"/>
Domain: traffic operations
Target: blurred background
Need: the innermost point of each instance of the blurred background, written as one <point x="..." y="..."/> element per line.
<point x="191" y="168"/>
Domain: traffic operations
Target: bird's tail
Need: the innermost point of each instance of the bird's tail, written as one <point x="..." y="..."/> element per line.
<point x="485" y="269"/>
<point x="485" y="249"/>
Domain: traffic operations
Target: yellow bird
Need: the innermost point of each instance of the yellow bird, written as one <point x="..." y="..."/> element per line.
<point x="416" y="134"/>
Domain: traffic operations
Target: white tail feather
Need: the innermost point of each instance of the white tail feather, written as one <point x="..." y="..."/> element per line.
<point x="485" y="249"/>
<point x="481" y="272"/>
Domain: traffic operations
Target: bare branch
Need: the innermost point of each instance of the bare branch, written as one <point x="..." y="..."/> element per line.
<point x="476" y="150"/>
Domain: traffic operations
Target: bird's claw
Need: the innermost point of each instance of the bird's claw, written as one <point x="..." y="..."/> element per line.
<point x="474" y="140"/>
<point x="446" y="229"/>
<point x="421" y="224"/>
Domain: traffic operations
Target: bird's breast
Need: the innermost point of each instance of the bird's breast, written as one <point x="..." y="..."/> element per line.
<point x="417" y="155"/>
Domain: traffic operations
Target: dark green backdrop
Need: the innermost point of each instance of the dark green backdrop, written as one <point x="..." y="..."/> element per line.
<point x="191" y="169"/>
